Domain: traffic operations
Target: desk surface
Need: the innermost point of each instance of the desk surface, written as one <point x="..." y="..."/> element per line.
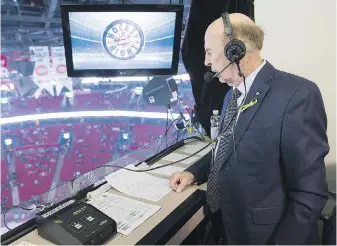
<point x="176" y="210"/>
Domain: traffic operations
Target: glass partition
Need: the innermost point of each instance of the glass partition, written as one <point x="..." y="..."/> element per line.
<point x="54" y="133"/>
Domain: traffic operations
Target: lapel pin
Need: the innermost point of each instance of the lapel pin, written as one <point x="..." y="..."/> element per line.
<point x="248" y="105"/>
<point x="257" y="93"/>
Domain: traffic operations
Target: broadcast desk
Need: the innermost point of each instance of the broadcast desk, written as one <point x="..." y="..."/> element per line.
<point x="176" y="210"/>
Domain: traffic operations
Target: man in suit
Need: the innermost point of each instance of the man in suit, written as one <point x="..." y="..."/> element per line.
<point x="266" y="179"/>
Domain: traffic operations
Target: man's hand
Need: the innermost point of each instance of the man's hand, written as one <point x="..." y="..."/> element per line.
<point x="180" y="180"/>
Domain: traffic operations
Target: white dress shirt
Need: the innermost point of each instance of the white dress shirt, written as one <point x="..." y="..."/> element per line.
<point x="241" y="87"/>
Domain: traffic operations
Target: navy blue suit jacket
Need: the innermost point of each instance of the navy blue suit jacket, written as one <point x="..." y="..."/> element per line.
<point x="273" y="186"/>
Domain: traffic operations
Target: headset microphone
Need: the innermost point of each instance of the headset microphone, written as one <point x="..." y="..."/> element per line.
<point x="209" y="76"/>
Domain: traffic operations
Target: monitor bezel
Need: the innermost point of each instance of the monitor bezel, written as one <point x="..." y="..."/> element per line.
<point x="66" y="8"/>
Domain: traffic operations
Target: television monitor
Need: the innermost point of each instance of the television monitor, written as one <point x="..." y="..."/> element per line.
<point x="106" y="40"/>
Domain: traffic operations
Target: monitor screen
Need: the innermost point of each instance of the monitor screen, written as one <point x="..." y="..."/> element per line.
<point x="115" y="42"/>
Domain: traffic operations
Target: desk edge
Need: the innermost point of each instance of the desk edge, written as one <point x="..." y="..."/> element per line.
<point x="169" y="226"/>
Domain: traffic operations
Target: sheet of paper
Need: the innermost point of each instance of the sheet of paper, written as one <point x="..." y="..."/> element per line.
<point x="127" y="213"/>
<point x="176" y="157"/>
<point x="139" y="184"/>
<point x="191" y="149"/>
<point x="167" y="170"/>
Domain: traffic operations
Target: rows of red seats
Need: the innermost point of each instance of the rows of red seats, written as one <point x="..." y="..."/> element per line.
<point x="49" y="104"/>
<point x="88" y="148"/>
<point x="92" y="145"/>
<point x="34" y="170"/>
<point x="6" y="194"/>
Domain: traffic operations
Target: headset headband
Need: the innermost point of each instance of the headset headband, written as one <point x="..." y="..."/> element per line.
<point x="227" y="24"/>
<point x="235" y="49"/>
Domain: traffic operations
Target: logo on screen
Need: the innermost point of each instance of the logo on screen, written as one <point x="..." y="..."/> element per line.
<point x="123" y="39"/>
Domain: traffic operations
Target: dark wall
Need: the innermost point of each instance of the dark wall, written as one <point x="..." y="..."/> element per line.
<point x="203" y="13"/>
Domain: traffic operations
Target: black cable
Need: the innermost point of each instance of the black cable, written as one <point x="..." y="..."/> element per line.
<point x="5" y="220"/>
<point x="195" y="126"/>
<point x="70" y="181"/>
<point x="238" y="110"/>
<point x="178" y="136"/>
<point x="166" y="129"/>
<point x="154" y="168"/>
<point x="60" y="185"/>
<point x="165" y="135"/>
<point x="167" y="151"/>
<point x="165" y="165"/>
<point x="229" y="2"/>
<point x="149" y="169"/>
<point x="177" y="130"/>
<point x="30" y="209"/>
<point x="178" y="133"/>
<point x="182" y="136"/>
<point x="106" y="165"/>
<point x="244" y="83"/>
<point x="26" y="209"/>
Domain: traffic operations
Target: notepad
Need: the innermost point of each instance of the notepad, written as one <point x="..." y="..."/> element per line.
<point x="139" y="184"/>
<point x="166" y="170"/>
<point x="127" y="213"/>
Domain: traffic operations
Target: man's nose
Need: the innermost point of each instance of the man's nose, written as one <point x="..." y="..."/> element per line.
<point x="207" y="62"/>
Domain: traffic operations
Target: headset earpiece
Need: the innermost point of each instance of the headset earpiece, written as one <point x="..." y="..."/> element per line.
<point x="235" y="49"/>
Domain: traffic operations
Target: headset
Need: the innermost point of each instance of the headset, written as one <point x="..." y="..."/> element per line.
<point x="235" y="49"/>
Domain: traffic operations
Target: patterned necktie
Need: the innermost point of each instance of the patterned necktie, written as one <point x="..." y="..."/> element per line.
<point x="213" y="194"/>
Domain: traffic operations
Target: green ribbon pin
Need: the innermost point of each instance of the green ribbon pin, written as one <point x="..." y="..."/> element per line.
<point x="252" y="103"/>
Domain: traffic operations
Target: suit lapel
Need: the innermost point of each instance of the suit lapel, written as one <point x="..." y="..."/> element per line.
<point x="258" y="90"/>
